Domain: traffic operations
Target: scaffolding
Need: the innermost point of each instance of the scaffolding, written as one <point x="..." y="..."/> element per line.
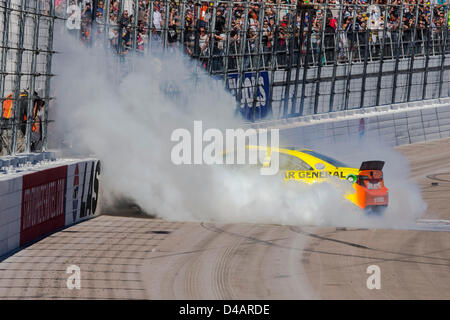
<point x="26" y="37"/>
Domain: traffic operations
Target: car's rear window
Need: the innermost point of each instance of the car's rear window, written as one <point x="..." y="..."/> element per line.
<point x="325" y="158"/>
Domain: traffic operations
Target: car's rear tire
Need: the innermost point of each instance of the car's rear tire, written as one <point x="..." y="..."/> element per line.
<point x="375" y="210"/>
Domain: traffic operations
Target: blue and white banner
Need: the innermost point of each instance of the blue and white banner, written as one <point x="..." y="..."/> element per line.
<point x="248" y="108"/>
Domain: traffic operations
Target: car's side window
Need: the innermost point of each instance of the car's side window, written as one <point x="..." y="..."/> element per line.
<point x="288" y="162"/>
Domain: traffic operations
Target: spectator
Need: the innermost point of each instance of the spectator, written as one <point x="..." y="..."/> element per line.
<point x="203" y="45"/>
<point x="126" y="40"/>
<point x="174" y="22"/>
<point x="36" y="140"/>
<point x="218" y="50"/>
<point x="330" y="30"/>
<point x="73" y="23"/>
<point x="360" y="35"/>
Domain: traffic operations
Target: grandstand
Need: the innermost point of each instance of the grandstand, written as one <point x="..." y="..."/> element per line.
<point x="310" y="56"/>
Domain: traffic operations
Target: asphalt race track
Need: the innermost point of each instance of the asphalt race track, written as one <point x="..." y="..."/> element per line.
<point x="139" y="258"/>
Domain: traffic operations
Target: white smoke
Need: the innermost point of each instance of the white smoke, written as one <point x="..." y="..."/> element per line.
<point x="126" y="120"/>
<point x="405" y="200"/>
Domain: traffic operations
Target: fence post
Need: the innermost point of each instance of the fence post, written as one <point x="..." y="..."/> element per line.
<point x="412" y="52"/>
<point x="321" y="52"/>
<point x="258" y="61"/>
<point x="445" y="30"/>
<point x="241" y="71"/>
<point x="335" y="62"/>
<point x="18" y="77"/>
<point x="5" y="42"/>
<point x="397" y="56"/>
<point x="47" y="98"/>
<point x="287" y="87"/>
<point x="306" y="65"/>
<point x="32" y="83"/>
<point x="383" y="46"/>
<point x="300" y="45"/>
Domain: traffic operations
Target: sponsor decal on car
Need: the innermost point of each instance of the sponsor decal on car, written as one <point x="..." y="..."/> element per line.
<point x="294" y="174"/>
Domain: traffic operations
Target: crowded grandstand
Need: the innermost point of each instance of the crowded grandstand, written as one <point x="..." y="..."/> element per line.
<point x="263" y="35"/>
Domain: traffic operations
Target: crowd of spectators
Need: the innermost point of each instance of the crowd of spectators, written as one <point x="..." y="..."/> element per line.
<point x="229" y="35"/>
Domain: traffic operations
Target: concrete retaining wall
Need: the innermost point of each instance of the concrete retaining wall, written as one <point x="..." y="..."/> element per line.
<point x="38" y="199"/>
<point x="396" y="124"/>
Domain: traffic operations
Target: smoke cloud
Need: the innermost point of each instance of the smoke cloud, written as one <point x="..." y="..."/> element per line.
<point x="126" y="120"/>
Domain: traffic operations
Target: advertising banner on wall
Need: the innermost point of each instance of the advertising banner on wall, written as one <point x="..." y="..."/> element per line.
<point x="43" y="203"/>
<point x="249" y="109"/>
<point x="83" y="190"/>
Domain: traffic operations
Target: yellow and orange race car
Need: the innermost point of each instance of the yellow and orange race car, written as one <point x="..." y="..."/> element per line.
<point x="369" y="191"/>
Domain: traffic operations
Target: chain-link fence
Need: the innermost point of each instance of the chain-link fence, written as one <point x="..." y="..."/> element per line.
<point x="26" y="37"/>
<point x="286" y="58"/>
<point x="279" y="58"/>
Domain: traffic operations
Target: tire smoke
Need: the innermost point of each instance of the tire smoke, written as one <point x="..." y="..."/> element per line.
<point x="126" y="120"/>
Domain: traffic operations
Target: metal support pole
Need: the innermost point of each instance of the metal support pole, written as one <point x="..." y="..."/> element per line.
<point x="18" y="72"/>
<point x="306" y="65"/>
<point x="150" y="25"/>
<point x="364" y="75"/>
<point x="273" y="65"/>
<point x="287" y="88"/>
<point x="243" y="40"/>
<point x="212" y="33"/>
<point x="443" y="49"/>
<point x="397" y="58"/>
<point x="380" y="69"/>
<point x="135" y="25"/>
<point x="106" y="14"/>
<point x="49" y="70"/>
<point x="227" y="46"/>
<point x="427" y="60"/>
<point x="32" y="83"/>
<point x="412" y="51"/>
<point x="319" y="67"/>
<point x="349" y="73"/>
<point x="336" y="52"/>
<point x="5" y="43"/>
<point x="259" y="56"/>
<point x="166" y="24"/>
<point x="183" y="21"/>
<point x="297" y="71"/>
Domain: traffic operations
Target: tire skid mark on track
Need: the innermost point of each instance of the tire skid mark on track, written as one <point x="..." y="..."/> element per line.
<point x="370" y="259"/>
<point x="334" y="253"/>
<point x="436" y="175"/>
<point x="298" y="230"/>
<point x="363" y="247"/>
<point x="251" y="239"/>
<point x="222" y="273"/>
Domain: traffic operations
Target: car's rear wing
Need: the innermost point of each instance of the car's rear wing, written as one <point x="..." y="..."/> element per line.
<point x="372" y="165"/>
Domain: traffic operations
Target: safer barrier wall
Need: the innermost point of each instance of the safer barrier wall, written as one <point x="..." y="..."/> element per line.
<point x="36" y="202"/>
<point x="395" y="125"/>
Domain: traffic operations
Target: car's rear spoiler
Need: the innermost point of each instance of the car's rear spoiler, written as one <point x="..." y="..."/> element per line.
<point x="372" y="165"/>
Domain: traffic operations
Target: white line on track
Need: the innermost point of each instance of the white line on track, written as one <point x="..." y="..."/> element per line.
<point x="432" y="225"/>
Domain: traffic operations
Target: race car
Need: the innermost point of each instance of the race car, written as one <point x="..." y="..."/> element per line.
<point x="309" y="166"/>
